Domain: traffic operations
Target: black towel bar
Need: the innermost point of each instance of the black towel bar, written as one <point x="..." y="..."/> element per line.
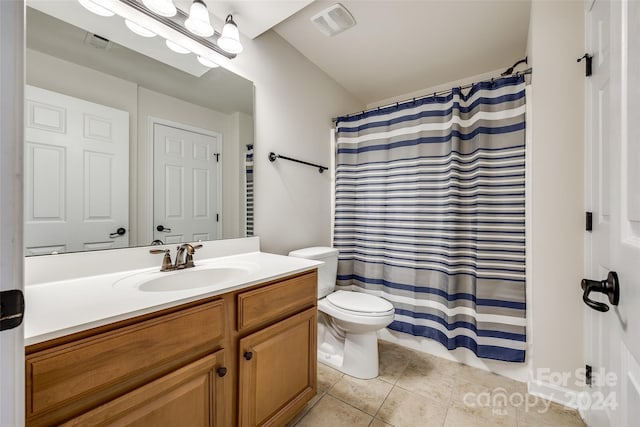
<point x="273" y="156"/>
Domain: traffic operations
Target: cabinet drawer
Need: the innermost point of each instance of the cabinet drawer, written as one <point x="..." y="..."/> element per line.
<point x="273" y="302"/>
<point x="82" y="373"/>
<point x="189" y="396"/>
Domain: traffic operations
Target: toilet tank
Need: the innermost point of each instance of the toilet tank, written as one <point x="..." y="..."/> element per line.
<point x="327" y="271"/>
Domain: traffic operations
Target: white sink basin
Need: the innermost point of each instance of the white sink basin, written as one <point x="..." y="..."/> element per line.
<point x="191" y="278"/>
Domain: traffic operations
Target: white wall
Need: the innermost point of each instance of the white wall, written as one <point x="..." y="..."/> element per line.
<point x="557" y="196"/>
<point x="294" y="104"/>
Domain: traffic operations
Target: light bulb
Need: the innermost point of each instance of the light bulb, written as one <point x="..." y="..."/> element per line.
<point x="207" y="62"/>
<point x="176" y="47"/>
<point x="95" y="7"/>
<point x="139" y="29"/>
<point x="230" y="38"/>
<point x="161" y="7"/>
<point x="198" y="22"/>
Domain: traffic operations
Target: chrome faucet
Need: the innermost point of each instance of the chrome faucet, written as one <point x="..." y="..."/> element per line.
<point x="186" y="250"/>
<point x="184" y="257"/>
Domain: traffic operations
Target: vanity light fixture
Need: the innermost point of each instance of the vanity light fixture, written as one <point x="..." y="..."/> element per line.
<point x="183" y="33"/>
<point x="230" y="38"/>
<point x="161" y="7"/>
<point x="176" y="47"/>
<point x="95" y="7"/>
<point x="198" y="22"/>
<point x="139" y="29"/>
<point x="207" y="62"/>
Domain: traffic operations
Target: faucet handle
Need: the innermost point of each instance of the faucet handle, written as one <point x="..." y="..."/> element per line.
<point x="166" y="259"/>
<point x="190" y="249"/>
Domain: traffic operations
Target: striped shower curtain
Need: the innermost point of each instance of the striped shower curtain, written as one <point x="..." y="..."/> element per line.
<point x="248" y="169"/>
<point x="430" y="215"/>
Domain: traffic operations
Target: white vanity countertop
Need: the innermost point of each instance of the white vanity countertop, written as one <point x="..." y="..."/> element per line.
<point x="55" y="309"/>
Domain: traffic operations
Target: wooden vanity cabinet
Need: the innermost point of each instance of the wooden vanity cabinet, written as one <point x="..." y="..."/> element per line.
<point x="243" y="358"/>
<point x="277" y="362"/>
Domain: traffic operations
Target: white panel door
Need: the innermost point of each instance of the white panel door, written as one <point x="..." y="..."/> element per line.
<point x="186" y="185"/>
<point x="613" y="195"/>
<point x="76" y="174"/>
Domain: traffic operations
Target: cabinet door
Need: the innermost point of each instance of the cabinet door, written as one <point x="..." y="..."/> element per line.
<point x="277" y="370"/>
<point x="189" y="396"/>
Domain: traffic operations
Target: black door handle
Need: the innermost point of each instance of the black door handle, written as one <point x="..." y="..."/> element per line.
<point x="119" y="232"/>
<point x="248" y="355"/>
<point x="222" y="371"/>
<point x="609" y="286"/>
<point x="163" y="228"/>
<point x="11" y="309"/>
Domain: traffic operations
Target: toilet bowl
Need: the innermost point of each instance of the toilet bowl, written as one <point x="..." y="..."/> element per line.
<point x="347" y="320"/>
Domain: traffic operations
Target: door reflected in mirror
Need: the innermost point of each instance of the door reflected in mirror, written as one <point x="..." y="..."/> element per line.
<point x="122" y="149"/>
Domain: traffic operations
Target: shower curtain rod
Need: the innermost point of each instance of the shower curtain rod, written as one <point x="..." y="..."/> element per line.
<point x="442" y="92"/>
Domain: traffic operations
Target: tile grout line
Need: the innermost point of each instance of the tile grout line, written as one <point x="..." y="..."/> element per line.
<point x="453" y="390"/>
<point x="382" y="404"/>
<point x="343" y="401"/>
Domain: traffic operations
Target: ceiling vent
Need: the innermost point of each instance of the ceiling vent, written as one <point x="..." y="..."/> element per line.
<point x="333" y="20"/>
<point x="97" y="41"/>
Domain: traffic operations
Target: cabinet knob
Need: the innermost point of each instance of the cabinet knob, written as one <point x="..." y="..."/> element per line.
<point x="248" y="355"/>
<point x="222" y="371"/>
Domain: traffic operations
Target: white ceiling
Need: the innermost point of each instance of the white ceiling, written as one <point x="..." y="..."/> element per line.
<point x="398" y="47"/>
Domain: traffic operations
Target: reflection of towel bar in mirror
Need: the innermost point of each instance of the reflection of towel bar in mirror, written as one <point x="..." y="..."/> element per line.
<point x="273" y="156"/>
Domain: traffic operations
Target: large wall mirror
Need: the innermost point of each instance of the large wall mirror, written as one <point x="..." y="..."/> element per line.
<point x="124" y="148"/>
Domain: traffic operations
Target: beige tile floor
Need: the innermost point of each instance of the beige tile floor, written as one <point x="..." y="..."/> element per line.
<point x="419" y="390"/>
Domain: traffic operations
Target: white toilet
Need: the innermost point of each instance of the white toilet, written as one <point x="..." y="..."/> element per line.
<point x="347" y="321"/>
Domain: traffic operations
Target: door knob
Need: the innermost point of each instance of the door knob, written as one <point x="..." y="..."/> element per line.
<point x="609" y="286"/>
<point x="119" y="232"/>
<point x="222" y="371"/>
<point x="163" y="228"/>
<point x="248" y="355"/>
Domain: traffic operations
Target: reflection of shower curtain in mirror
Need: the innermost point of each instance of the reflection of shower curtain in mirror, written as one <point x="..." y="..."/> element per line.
<point x="430" y="214"/>
<point x="249" y="189"/>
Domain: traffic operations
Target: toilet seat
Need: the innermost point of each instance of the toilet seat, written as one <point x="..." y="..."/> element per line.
<point x="359" y="303"/>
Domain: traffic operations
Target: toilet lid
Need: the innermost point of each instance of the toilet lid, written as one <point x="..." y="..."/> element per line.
<point x="359" y="302"/>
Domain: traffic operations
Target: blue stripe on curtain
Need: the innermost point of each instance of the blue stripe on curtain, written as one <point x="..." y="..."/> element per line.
<point x="430" y="215"/>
